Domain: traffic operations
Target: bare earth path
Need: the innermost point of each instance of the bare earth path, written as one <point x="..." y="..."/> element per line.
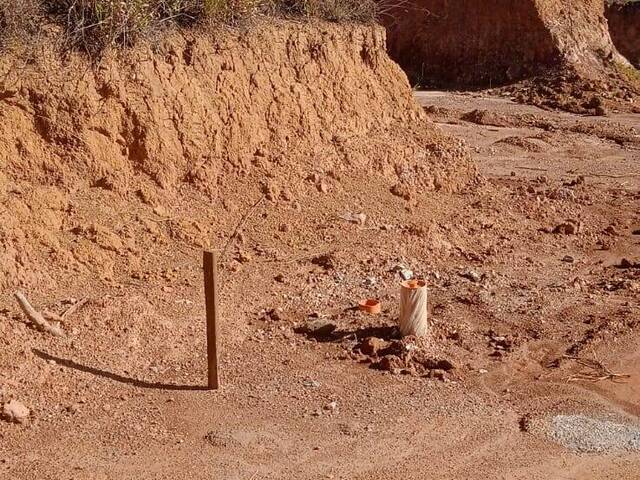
<point x="546" y="294"/>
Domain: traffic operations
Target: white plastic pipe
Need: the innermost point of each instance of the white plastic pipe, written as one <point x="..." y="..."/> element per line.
<point x="413" y="308"/>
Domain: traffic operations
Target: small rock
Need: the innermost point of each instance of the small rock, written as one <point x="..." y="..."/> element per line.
<point x="626" y="263"/>
<point x="358" y="218"/>
<point x="331" y="406"/>
<point x="370" y="281"/>
<point x="280" y="278"/>
<point x="311" y="383"/>
<point x="219" y="440"/>
<point x="482" y="371"/>
<point x="611" y="230"/>
<point x="406" y="274"/>
<point x="286" y="195"/>
<point x="402" y="191"/>
<point x="389" y="363"/>
<point x="372" y="345"/>
<point x="438" y="374"/>
<point x="323" y="187"/>
<point x="472" y="275"/>
<point x="160" y="211"/>
<point x="325" y="261"/>
<point x="243" y="257"/>
<point x="319" y="328"/>
<point x="272" y="315"/>
<point x="284" y="228"/>
<point x="568" y="259"/>
<point x="570" y="227"/>
<point x="601" y="111"/>
<point x="15" y="412"/>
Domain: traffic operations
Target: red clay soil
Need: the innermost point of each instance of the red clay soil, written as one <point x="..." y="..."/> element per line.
<point x="298" y="152"/>
<point x="624" y="25"/>
<point x="231" y="120"/>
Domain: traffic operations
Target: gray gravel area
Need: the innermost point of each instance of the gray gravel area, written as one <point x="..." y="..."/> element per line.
<point x="590" y="435"/>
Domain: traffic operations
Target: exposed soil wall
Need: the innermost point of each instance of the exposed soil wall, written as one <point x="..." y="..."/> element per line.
<point x="444" y="42"/>
<point x="624" y="25"/>
<point x="198" y="124"/>
<point x="470" y="42"/>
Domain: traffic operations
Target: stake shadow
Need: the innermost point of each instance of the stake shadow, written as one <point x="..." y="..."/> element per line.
<point x="114" y="376"/>
<point x="337" y="336"/>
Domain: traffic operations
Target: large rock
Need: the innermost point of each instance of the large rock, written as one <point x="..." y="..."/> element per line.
<point x="15" y="412"/>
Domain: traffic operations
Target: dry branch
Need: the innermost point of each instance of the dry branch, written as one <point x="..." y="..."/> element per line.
<point x="36" y="317"/>
<point x="598" y="371"/>
<point x="244" y="218"/>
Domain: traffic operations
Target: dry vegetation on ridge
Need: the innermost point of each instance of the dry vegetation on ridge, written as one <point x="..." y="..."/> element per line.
<point x="92" y="25"/>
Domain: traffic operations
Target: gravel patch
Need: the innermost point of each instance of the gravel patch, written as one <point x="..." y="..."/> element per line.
<point x="591" y="435"/>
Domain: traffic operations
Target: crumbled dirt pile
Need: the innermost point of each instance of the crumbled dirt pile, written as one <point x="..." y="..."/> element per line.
<point x="471" y="43"/>
<point x="165" y="146"/>
<point x="624" y="25"/>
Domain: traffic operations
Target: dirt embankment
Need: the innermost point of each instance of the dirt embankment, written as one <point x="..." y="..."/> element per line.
<point x="624" y="24"/>
<point x="465" y="42"/>
<point x="96" y="162"/>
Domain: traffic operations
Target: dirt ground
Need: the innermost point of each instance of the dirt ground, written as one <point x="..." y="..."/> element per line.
<point x="525" y="271"/>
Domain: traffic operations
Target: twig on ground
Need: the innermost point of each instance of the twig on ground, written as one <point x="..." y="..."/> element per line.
<point x="36" y="317"/>
<point x="604" y="175"/>
<point x="73" y="308"/>
<point x="536" y="169"/>
<point x="599" y="371"/>
<point x="244" y="218"/>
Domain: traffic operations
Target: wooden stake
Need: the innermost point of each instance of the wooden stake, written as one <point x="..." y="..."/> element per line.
<point x="413" y="308"/>
<point x="211" y="299"/>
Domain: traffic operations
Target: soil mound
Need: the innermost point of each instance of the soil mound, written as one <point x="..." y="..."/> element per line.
<point x="468" y="42"/>
<point x="101" y="165"/>
<point x="624" y="25"/>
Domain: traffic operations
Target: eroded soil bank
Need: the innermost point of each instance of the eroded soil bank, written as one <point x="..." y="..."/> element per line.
<point x="624" y="24"/>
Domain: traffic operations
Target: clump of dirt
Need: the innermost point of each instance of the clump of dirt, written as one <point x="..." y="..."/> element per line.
<point x="521" y="143"/>
<point x="147" y="145"/>
<point x="577" y="92"/>
<point x="624" y="25"/>
<point x="564" y="46"/>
